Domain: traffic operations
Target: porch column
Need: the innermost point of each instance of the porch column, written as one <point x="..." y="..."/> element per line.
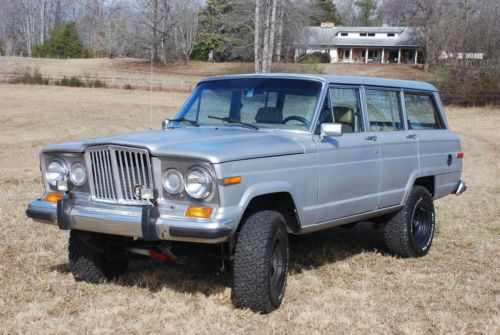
<point x="399" y="56"/>
<point x="383" y="52"/>
<point x="366" y="56"/>
<point x="350" y="56"/>
<point x="416" y="56"/>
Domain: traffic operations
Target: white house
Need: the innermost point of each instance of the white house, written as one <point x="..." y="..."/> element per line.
<point x="361" y="44"/>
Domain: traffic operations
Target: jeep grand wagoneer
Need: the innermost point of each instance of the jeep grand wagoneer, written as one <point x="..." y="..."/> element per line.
<point x="248" y="160"/>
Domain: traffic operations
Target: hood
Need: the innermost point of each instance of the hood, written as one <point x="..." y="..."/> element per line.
<point x="213" y="144"/>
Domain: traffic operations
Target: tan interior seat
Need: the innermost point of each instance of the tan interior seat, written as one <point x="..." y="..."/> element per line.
<point x="344" y="116"/>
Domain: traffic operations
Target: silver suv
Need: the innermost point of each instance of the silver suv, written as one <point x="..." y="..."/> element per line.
<point x="248" y="160"/>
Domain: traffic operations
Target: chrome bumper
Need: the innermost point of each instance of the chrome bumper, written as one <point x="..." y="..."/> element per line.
<point x="131" y="221"/>
<point x="462" y="187"/>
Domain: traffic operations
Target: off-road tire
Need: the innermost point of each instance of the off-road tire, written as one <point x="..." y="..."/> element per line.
<point x="89" y="265"/>
<point x="258" y="284"/>
<point x="401" y="231"/>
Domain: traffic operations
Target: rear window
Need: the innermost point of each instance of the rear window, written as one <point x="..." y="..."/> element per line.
<point x="384" y="110"/>
<point x="421" y="112"/>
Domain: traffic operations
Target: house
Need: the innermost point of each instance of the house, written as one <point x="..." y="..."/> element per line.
<point x="361" y="44"/>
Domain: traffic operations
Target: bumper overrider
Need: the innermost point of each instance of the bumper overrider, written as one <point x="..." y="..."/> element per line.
<point x="144" y="222"/>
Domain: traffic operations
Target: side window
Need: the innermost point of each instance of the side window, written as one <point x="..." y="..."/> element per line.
<point x="347" y="109"/>
<point x="421" y="112"/>
<point x="384" y="110"/>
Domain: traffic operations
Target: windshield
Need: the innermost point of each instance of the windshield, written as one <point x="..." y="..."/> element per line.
<point x="258" y="102"/>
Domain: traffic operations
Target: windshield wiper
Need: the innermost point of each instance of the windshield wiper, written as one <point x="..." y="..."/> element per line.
<point x="191" y="122"/>
<point x="229" y="120"/>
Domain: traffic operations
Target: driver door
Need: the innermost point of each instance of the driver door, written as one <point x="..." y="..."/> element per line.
<point x="349" y="165"/>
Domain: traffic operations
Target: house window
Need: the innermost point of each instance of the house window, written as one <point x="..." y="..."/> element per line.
<point x="362" y="34"/>
<point x="344" y="34"/>
<point x="371" y="34"/>
<point x="391" y="34"/>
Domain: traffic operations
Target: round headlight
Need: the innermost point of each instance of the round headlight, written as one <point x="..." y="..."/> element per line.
<point x="77" y="174"/>
<point x="199" y="183"/>
<point x="56" y="171"/>
<point x="173" y="181"/>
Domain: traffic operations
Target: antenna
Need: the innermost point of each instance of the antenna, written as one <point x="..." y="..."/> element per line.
<point x="151" y="92"/>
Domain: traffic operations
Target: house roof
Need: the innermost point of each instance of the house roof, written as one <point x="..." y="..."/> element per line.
<point x="318" y="36"/>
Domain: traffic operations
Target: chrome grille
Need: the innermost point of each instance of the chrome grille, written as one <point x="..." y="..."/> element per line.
<point x="114" y="172"/>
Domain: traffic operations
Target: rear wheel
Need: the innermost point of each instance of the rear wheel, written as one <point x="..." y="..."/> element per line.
<point x="261" y="262"/>
<point x="89" y="265"/>
<point x="409" y="233"/>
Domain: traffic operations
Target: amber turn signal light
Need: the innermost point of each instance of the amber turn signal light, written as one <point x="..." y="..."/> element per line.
<point x="232" y="180"/>
<point x="198" y="212"/>
<point x="53" y="197"/>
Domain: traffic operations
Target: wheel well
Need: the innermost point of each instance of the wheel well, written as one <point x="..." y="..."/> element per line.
<point x="427" y="182"/>
<point x="281" y="202"/>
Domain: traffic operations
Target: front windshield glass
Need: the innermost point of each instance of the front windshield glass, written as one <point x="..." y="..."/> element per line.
<point x="260" y="102"/>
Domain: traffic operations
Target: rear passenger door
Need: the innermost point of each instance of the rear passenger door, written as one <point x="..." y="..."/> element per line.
<point x="398" y="146"/>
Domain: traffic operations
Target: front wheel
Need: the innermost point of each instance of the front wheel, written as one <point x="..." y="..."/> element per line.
<point x="89" y="265"/>
<point x="261" y="262"/>
<point x="409" y="232"/>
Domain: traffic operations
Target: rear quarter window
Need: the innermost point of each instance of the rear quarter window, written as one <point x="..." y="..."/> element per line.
<point x="421" y="112"/>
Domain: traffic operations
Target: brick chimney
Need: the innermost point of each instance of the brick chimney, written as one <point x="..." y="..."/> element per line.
<point x="327" y="24"/>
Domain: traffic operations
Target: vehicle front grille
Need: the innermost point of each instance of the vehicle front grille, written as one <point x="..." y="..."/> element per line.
<point x="114" y="173"/>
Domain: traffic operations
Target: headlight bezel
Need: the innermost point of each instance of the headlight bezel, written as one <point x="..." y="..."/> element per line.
<point x="71" y="170"/>
<point x="181" y="187"/>
<point x="207" y="174"/>
<point x="53" y="181"/>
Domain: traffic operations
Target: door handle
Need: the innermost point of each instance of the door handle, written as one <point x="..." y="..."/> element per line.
<point x="413" y="136"/>
<point x="371" y="138"/>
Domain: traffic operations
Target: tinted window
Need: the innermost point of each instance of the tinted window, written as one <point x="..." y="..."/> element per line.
<point x="384" y="110"/>
<point x="342" y="106"/>
<point x="421" y="112"/>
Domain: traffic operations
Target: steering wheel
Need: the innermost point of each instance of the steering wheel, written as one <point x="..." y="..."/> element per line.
<point x="297" y="118"/>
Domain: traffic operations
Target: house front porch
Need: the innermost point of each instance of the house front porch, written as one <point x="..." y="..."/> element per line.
<point x="376" y="55"/>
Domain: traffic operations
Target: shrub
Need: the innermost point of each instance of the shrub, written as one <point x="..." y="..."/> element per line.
<point x="63" y="42"/>
<point x="73" y="81"/>
<point x="469" y="83"/>
<point x="315" y="57"/>
<point x="28" y="77"/>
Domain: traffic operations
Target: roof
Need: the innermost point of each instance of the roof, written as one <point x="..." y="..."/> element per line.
<point x="334" y="79"/>
<point x="318" y="36"/>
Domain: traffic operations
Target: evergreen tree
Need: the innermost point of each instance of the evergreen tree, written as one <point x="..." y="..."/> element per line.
<point x="63" y="42"/>
<point x="325" y="11"/>
<point x="223" y="30"/>
<point x="367" y="10"/>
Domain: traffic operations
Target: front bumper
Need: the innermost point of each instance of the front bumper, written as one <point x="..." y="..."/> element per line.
<point x="134" y="221"/>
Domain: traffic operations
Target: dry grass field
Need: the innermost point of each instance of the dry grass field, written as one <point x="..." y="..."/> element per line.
<point x="182" y="76"/>
<point x="340" y="281"/>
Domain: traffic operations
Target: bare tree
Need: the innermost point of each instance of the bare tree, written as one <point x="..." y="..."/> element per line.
<point x="187" y="26"/>
<point x="265" y="30"/>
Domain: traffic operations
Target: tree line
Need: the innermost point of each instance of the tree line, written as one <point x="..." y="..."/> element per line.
<point x="262" y="31"/>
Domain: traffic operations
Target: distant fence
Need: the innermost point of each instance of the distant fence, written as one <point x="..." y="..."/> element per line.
<point x="157" y="84"/>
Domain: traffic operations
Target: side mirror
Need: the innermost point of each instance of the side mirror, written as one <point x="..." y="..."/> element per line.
<point x="330" y="129"/>
<point x="165" y="124"/>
